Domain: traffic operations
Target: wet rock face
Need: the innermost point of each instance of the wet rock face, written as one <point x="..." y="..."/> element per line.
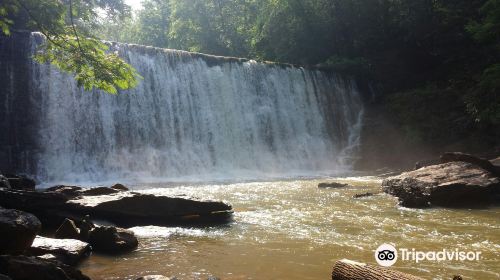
<point x="112" y="240"/>
<point x="67" y="251"/>
<point x="455" y="184"/>
<point x="17" y="231"/>
<point x="28" y="268"/>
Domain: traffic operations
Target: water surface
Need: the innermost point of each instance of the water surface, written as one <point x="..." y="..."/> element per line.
<point x="293" y="230"/>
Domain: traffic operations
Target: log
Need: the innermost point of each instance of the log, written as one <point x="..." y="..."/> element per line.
<point x="351" y="270"/>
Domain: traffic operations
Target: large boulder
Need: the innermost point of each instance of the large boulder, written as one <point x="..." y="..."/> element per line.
<point x="481" y="162"/>
<point x="28" y="268"/>
<point x="123" y="208"/>
<point x="131" y="209"/>
<point x="17" y="231"/>
<point x="112" y="240"/>
<point x="67" y="251"/>
<point x="452" y="184"/>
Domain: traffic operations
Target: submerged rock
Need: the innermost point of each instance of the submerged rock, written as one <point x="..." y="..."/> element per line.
<point x="17" y="231"/>
<point x="453" y="184"/>
<point x="119" y="187"/>
<point x="28" y="268"/>
<point x="360" y="195"/>
<point x="67" y="251"/>
<point x="112" y="240"/>
<point x="155" y="277"/>
<point x="333" y="185"/>
<point x="68" y="230"/>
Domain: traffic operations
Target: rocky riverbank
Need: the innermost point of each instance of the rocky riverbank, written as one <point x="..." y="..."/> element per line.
<point x="24" y="211"/>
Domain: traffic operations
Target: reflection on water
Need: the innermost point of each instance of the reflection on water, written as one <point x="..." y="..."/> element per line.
<point x="293" y="230"/>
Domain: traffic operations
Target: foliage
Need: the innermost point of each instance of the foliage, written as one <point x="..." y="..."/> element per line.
<point x="69" y="46"/>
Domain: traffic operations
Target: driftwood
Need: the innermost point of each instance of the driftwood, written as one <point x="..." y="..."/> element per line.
<point x="351" y="270"/>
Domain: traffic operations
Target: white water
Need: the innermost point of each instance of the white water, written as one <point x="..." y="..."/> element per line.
<point x="190" y="120"/>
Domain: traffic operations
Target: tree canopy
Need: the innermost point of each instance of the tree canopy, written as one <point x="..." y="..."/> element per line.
<point x="69" y="44"/>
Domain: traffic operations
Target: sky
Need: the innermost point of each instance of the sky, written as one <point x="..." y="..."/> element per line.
<point x="135" y="4"/>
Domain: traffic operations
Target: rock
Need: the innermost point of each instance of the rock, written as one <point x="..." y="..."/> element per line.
<point x="119" y="187"/>
<point x="28" y="268"/>
<point x="495" y="162"/>
<point x="99" y="191"/>
<point x="49" y="257"/>
<point x="131" y="209"/>
<point x="4" y="182"/>
<point x="424" y="163"/>
<point x="123" y="208"/>
<point x="17" y="231"/>
<point x="19" y="182"/>
<point x="68" y="230"/>
<point x="483" y="163"/>
<point x="47" y="206"/>
<point x="112" y="240"/>
<point x="360" y="195"/>
<point x="454" y="184"/>
<point x="155" y="277"/>
<point x="67" y="251"/>
<point x="68" y="191"/>
<point x="332" y="185"/>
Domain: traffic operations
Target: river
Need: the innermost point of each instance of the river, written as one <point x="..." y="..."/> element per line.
<point x="291" y="229"/>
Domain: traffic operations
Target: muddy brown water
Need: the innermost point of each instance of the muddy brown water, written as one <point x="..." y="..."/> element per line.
<point x="294" y="230"/>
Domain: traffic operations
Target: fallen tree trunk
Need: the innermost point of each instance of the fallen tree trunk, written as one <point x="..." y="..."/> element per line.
<point x="350" y="270"/>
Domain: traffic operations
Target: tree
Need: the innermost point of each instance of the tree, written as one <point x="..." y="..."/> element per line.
<point x="69" y="44"/>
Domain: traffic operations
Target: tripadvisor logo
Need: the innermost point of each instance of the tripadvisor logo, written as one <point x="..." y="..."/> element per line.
<point x="387" y="255"/>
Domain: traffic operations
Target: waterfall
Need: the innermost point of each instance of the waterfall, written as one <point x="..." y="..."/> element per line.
<point x="195" y="117"/>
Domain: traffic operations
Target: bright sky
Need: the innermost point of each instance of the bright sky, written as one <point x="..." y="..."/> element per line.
<point x="135" y="4"/>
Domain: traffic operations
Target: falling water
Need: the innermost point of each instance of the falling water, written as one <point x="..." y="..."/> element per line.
<point x="196" y="117"/>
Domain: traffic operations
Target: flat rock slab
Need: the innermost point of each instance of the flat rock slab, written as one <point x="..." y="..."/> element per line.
<point x="453" y="184"/>
<point x="124" y="208"/>
<point x="130" y="208"/>
<point x="68" y="251"/>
